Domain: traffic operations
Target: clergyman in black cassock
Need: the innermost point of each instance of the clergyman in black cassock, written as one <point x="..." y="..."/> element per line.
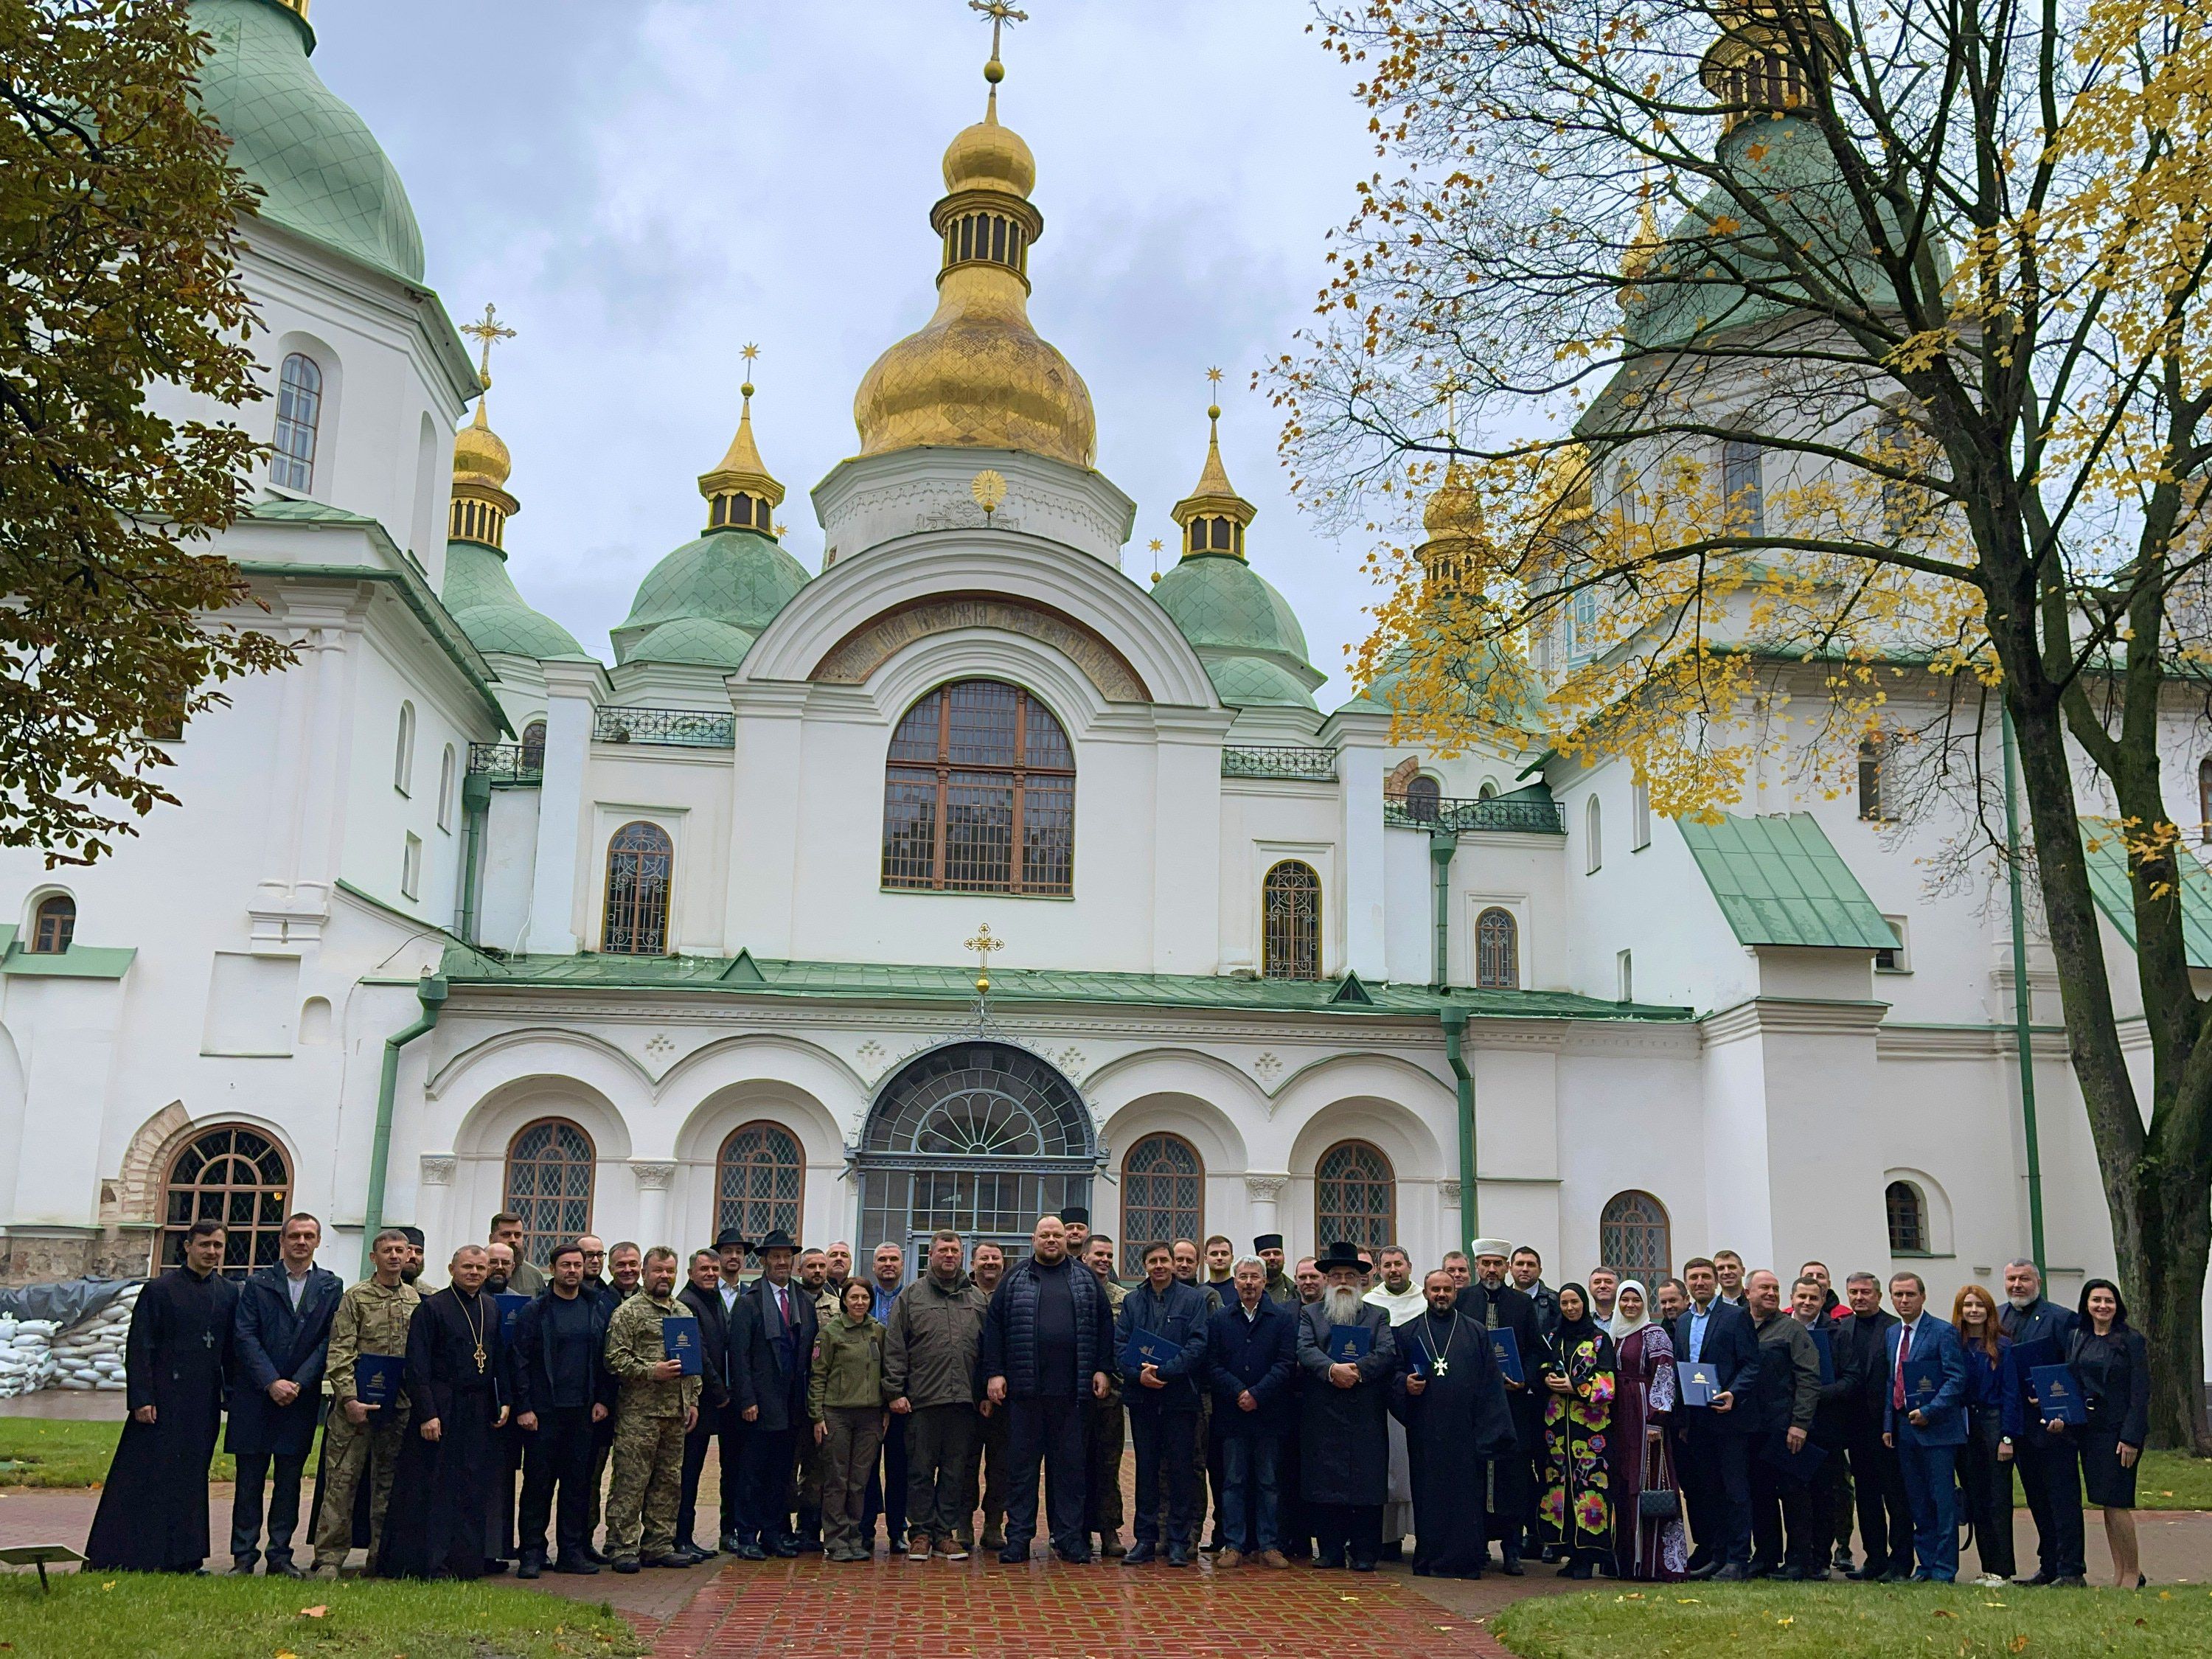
<point x="434" y="1526"/>
<point x="1451" y="1397"/>
<point x="1344" y="1454"/>
<point x="1494" y="1304"/>
<point x="153" y="1513"/>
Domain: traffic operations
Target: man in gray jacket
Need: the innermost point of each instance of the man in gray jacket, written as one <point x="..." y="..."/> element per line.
<point x="934" y="1332"/>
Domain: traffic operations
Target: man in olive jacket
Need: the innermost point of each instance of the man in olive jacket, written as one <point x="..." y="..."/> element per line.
<point x="935" y="1333"/>
<point x="657" y="1407"/>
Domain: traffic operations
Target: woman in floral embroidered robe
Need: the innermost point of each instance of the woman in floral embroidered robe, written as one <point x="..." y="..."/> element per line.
<point x="1649" y="1546"/>
<point x="1575" y="1514"/>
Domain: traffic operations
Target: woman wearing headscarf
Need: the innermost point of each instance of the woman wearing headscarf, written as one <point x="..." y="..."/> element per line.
<point x="1648" y="1541"/>
<point x="1575" y="1514"/>
<point x="2112" y="1365"/>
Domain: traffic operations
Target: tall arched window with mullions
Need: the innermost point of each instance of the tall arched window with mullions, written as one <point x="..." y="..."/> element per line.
<point x="549" y="1184"/>
<point x="1163" y="1196"/>
<point x="1289" y="922"/>
<point x="234" y="1174"/>
<point x="760" y="1181"/>
<point x="641" y="860"/>
<point x="299" y="423"/>
<point x="979" y="795"/>
<point x="1355" y="1196"/>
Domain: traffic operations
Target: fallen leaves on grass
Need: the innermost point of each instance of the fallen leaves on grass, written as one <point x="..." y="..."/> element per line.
<point x="314" y="1613"/>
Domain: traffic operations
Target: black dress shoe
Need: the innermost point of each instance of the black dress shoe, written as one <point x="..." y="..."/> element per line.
<point x="595" y="1558"/>
<point x="1579" y="1569"/>
<point x="1328" y="1562"/>
<point x="1178" y="1556"/>
<point x="730" y="1542"/>
<point x="1013" y="1555"/>
<point x="287" y="1568"/>
<point x="493" y="1567"/>
<point x="1711" y="1569"/>
<point x="1511" y="1567"/>
<point x="1871" y="1571"/>
<point x="750" y="1551"/>
<point x="783" y="1548"/>
<point x="2041" y="1578"/>
<point x="1368" y="1566"/>
<point x="530" y="1567"/>
<point x="669" y="1560"/>
<point x="1733" y="1573"/>
<point x="1792" y="1574"/>
<point x="1139" y="1554"/>
<point x="1081" y="1556"/>
<point x="1395" y="1551"/>
<point x="1897" y="1575"/>
<point x="241" y="1566"/>
<point x="625" y="1563"/>
<point x="579" y="1564"/>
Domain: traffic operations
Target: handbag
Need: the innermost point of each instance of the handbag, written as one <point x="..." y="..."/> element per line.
<point x="1662" y="1504"/>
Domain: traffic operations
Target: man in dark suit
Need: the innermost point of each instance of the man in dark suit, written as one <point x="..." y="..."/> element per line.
<point x="281" y="1335"/>
<point x="1714" y="1439"/>
<point x="1927" y="1434"/>
<point x="1495" y="1304"/>
<point x="701" y="1294"/>
<point x="2049" y="1465"/>
<point x="772" y="1332"/>
<point x="561" y="1390"/>
<point x="1877" y="1479"/>
<point x="1162" y="1397"/>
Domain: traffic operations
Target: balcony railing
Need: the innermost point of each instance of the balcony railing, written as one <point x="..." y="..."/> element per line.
<point x="676" y="728"/>
<point x="1293" y="761"/>
<point x="1530" y="815"/>
<point x="507" y="763"/>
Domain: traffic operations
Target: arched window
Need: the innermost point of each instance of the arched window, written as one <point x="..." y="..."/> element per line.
<point x="533" y="746"/>
<point x="1496" y="951"/>
<point x="760" y="1181"/>
<point x="235" y="1175"/>
<point x="1489" y="790"/>
<point x="54" y="925"/>
<point x="2204" y="799"/>
<point x="640" y="862"/>
<point x="1290" y="923"/>
<point x="1593" y="837"/>
<point x="979" y="794"/>
<point x="299" y="418"/>
<point x="1633" y="1238"/>
<point x="1163" y="1196"/>
<point x="549" y="1185"/>
<point x="1355" y="1196"/>
<point x="403" y="750"/>
<point x="446" y="789"/>
<point x="1870" y="768"/>
<point x="1908" y="1218"/>
<point x="1422" y="796"/>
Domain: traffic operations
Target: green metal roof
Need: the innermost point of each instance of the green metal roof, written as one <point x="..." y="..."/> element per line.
<point x="735" y="577"/>
<point x="1779" y="881"/>
<point x="744" y="974"/>
<point x="78" y="962"/>
<point x="481" y="593"/>
<point x="2115" y="894"/>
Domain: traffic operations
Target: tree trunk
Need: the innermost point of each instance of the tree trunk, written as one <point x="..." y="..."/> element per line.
<point x="2164" y="1243"/>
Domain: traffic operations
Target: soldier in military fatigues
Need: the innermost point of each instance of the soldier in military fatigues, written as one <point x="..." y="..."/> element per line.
<point x="1103" y="1431"/>
<point x="656" y="1409"/>
<point x="372" y="1318"/>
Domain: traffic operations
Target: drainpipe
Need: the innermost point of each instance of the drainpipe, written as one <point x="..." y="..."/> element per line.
<point x="1443" y="843"/>
<point x="431" y="993"/>
<point x="2021" y="1000"/>
<point x="1470" y="1218"/>
<point x="476" y="806"/>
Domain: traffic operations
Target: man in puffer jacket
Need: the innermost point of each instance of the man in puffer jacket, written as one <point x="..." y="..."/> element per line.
<point x="935" y="1334"/>
<point x="1047" y="1341"/>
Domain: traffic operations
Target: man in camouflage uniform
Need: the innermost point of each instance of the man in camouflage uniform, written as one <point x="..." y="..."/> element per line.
<point x="1102" y="1429"/>
<point x="656" y="1409"/>
<point x="372" y="1318"/>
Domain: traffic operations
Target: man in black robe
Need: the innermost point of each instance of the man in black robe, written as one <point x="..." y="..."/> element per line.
<point x="153" y="1513"/>
<point x="1451" y="1398"/>
<point x="1345" y="1412"/>
<point x="1493" y="1303"/>
<point x="434" y="1525"/>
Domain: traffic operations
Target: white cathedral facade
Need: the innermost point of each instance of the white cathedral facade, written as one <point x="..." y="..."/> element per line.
<point x="455" y="917"/>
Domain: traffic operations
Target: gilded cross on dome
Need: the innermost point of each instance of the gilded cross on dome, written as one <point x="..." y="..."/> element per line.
<point x="486" y="329"/>
<point x="982" y="944"/>
<point x="1001" y="13"/>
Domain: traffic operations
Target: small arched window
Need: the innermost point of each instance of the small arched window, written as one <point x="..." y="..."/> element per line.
<point x="1423" y="796"/>
<point x="445" y="773"/>
<point x="549" y="1184"/>
<point x="1633" y="1238"/>
<point x="1355" y="1196"/>
<point x="979" y="795"/>
<point x="1289" y="922"/>
<point x="299" y="420"/>
<point x="1163" y="1196"/>
<point x="2204" y="799"/>
<point x="760" y="1181"/>
<point x="234" y="1175"/>
<point x="533" y="746"/>
<point x="641" y="860"/>
<point x="1593" y="837"/>
<point x="1496" y="951"/>
<point x="403" y="750"/>
<point x="1871" y="806"/>
<point x="1907" y="1206"/>
<point x="54" y="925"/>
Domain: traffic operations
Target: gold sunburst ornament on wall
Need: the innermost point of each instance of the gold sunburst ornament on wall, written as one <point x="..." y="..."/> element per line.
<point x="989" y="488"/>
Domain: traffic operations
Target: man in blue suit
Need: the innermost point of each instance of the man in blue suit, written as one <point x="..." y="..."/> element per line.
<point x="1714" y="1439"/>
<point x="1927" y="1435"/>
<point x="1163" y="1399"/>
<point x="280" y="1340"/>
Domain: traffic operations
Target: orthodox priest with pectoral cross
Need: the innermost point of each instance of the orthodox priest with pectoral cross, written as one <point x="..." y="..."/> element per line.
<point x="1450" y="1395"/>
<point x="153" y="1513"/>
<point x="433" y="1527"/>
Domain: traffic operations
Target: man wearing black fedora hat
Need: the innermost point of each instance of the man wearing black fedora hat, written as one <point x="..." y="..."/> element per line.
<point x="1345" y="1437"/>
<point x="722" y="1421"/>
<point x="771" y="1350"/>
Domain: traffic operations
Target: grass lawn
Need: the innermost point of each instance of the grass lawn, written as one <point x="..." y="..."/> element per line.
<point x="36" y="1451"/>
<point x="1856" y="1621"/>
<point x="132" y="1615"/>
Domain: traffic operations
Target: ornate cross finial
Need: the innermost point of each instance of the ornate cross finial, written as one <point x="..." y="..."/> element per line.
<point x="1001" y="13"/>
<point x="982" y="944"/>
<point x="486" y="329"/>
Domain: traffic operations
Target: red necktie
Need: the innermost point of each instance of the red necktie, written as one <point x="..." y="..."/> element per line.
<point x="1903" y="1350"/>
<point x="783" y="1312"/>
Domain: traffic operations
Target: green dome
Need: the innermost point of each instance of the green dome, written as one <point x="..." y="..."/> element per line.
<point x="735" y="577"/>
<point x="695" y="638"/>
<point x="1254" y="682"/>
<point x="1496" y="681"/>
<point x="1219" y="600"/>
<point x="320" y="169"/>
<point x="481" y="597"/>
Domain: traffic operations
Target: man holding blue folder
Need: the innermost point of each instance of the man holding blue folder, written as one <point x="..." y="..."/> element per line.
<point x="1348" y="1358"/>
<point x="1160" y="1336"/>
<point x="2049" y="1464"/>
<point x="1927" y="1423"/>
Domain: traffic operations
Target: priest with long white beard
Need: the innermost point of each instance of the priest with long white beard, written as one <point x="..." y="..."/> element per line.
<point x="1344" y="1450"/>
<point x="1401" y="1298"/>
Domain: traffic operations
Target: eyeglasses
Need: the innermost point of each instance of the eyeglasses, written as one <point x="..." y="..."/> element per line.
<point x="595" y="1256"/>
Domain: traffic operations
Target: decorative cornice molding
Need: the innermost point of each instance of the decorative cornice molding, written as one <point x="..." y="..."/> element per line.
<point x="1265" y="1187"/>
<point x="854" y="659"/>
<point x="1791" y="1017"/>
<point x="651" y="1174"/>
<point x="1977" y="1042"/>
<point x="437" y="1168"/>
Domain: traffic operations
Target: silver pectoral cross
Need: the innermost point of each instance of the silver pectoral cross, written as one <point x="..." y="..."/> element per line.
<point x="207" y="1337"/>
<point x="1442" y="1367"/>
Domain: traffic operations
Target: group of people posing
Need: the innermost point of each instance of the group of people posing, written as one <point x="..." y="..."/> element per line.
<point x="1712" y="1425"/>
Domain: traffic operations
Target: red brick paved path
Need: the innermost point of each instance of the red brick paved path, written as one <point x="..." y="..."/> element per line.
<point x="943" y="1610"/>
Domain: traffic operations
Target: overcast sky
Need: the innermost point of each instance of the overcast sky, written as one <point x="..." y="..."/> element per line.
<point x="642" y="185"/>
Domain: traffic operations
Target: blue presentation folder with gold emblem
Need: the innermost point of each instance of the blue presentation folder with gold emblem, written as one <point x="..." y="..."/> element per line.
<point x="511" y="1303"/>
<point x="1698" y="1381"/>
<point x="1824" y="1343"/>
<point x="1349" y="1344"/>
<point x="679" y="1340"/>
<point x="377" y="1377"/>
<point x="1148" y="1348"/>
<point x="1923" y="1380"/>
<point x="2059" y="1396"/>
<point x="1505" y="1349"/>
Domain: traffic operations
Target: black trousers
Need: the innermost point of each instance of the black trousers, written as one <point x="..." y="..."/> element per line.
<point x="284" y="1505"/>
<point x="1716" y="1471"/>
<point x="1985" y="1491"/>
<point x="1048" y="1431"/>
<point x="1291" y="1508"/>
<point x="1784" y="1519"/>
<point x="1167" y="1456"/>
<point x="731" y="1430"/>
<point x="1342" y="1530"/>
<point x="558" y="1455"/>
<point x="771" y="1458"/>
<point x="1885" y="1516"/>
<point x="2051" y="1478"/>
<point x="695" y="1461"/>
<point x="887" y="1488"/>
<point x="1510" y="1506"/>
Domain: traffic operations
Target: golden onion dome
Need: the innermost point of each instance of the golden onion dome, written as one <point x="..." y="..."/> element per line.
<point x="977" y="374"/>
<point x="480" y="455"/>
<point x="1454" y="509"/>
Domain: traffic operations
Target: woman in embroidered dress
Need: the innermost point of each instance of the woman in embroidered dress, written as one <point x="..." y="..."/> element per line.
<point x="1647" y="1547"/>
<point x="1575" y="1514"/>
